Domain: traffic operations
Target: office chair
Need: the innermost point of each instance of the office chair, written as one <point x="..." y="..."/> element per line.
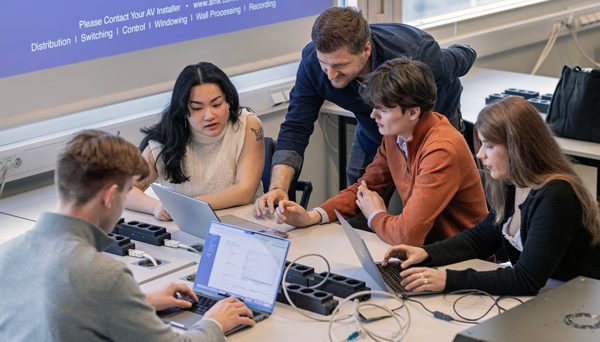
<point x="304" y="186"/>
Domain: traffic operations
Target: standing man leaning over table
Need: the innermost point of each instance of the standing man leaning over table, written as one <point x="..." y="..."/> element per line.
<point x="55" y="285"/>
<point x="427" y="160"/>
<point x="344" y="49"/>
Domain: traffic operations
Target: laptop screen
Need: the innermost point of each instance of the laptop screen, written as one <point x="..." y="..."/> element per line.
<point x="241" y="263"/>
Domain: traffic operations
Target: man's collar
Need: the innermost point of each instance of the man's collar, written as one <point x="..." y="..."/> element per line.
<point x="59" y="224"/>
<point x="421" y="129"/>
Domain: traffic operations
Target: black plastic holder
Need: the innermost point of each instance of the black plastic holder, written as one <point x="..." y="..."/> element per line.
<point x="340" y="285"/>
<point x="526" y="94"/>
<point x="299" y="274"/>
<point x="541" y="105"/>
<point x="121" y="246"/>
<point x="496" y="97"/>
<point x="143" y="232"/>
<point x="316" y="301"/>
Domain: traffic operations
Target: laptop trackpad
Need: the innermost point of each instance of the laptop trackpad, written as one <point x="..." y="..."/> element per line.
<point x="187" y="318"/>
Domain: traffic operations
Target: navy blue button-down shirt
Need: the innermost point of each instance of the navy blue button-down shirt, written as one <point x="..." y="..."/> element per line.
<point x="388" y="41"/>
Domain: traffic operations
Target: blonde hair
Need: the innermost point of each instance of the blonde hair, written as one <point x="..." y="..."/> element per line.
<point x="532" y="155"/>
<point x="92" y="159"/>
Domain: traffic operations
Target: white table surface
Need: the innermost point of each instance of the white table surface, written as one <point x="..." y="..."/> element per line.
<point x="285" y="324"/>
<point x="479" y="83"/>
<point x="11" y="227"/>
<point x="329" y="240"/>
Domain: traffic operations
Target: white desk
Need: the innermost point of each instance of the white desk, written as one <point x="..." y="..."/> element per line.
<point x="329" y="240"/>
<point x="285" y="324"/>
<point x="31" y="204"/>
<point x="480" y="83"/>
<point x="11" y="227"/>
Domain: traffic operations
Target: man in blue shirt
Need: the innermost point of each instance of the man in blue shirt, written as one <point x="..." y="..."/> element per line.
<point x="344" y="49"/>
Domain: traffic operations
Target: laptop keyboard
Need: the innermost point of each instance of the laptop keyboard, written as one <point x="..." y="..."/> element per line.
<point x="391" y="276"/>
<point x="205" y="303"/>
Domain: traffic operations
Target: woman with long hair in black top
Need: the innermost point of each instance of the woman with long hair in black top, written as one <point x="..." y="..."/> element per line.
<point x="547" y="221"/>
<point x="205" y="145"/>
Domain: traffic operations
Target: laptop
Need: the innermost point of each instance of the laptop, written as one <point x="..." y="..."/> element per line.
<point x="569" y="312"/>
<point x="387" y="277"/>
<point x="235" y="262"/>
<point x="194" y="216"/>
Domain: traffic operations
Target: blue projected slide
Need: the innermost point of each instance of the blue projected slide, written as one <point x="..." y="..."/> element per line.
<point x="37" y="35"/>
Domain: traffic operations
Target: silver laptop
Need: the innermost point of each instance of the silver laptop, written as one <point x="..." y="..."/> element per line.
<point x="569" y="312"/>
<point x="387" y="277"/>
<point x="194" y="216"/>
<point x="235" y="262"/>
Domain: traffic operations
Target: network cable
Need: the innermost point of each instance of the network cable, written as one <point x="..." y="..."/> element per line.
<point x="177" y="244"/>
<point x="141" y="254"/>
<point x="360" y="326"/>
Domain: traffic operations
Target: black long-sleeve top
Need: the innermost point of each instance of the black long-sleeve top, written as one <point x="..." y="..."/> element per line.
<point x="555" y="245"/>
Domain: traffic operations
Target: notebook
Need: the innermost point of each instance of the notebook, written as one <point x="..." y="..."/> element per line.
<point x="235" y="262"/>
<point x="194" y="216"/>
<point x="569" y="312"/>
<point x="387" y="277"/>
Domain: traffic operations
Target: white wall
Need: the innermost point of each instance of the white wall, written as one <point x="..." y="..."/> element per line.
<point x="564" y="52"/>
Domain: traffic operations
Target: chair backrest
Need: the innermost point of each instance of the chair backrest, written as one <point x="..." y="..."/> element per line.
<point x="295" y="185"/>
<point x="270" y="145"/>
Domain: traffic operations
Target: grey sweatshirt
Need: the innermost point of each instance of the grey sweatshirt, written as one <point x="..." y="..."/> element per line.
<point x="55" y="285"/>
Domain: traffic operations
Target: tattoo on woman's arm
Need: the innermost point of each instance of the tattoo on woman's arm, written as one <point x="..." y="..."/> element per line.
<point x="260" y="134"/>
<point x="144" y="184"/>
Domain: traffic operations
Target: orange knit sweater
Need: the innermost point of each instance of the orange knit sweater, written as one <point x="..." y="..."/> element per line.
<point x="439" y="185"/>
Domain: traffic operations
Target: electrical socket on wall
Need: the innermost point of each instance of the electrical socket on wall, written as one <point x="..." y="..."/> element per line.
<point x="6" y="164"/>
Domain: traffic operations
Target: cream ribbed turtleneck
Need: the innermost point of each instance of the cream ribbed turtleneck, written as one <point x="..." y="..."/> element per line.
<point x="210" y="162"/>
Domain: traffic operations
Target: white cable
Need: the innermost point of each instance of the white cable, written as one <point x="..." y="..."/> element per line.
<point x="554" y="32"/>
<point x="181" y="245"/>
<point x="7" y="168"/>
<point x="141" y="254"/>
<point x="361" y="324"/>
<point x="151" y="259"/>
<point x="327" y="136"/>
<point x="574" y="28"/>
<point x="285" y="291"/>
<point x="177" y="244"/>
<point x="361" y="327"/>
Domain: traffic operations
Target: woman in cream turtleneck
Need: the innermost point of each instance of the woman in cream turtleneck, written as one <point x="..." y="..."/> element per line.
<point x="205" y="146"/>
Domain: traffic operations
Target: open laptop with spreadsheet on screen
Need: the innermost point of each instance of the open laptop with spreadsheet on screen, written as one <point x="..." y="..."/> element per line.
<point x="235" y="262"/>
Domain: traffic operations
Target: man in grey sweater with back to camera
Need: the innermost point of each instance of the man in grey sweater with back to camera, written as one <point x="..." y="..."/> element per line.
<point x="55" y="285"/>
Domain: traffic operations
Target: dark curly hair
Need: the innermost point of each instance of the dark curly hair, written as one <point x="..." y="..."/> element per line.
<point x="172" y="131"/>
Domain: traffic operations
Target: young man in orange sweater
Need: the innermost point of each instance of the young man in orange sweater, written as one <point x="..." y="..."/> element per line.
<point x="422" y="154"/>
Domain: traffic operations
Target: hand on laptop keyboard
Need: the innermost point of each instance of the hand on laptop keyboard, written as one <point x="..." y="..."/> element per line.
<point x="230" y="313"/>
<point x="164" y="297"/>
<point x="411" y="255"/>
<point x="418" y="279"/>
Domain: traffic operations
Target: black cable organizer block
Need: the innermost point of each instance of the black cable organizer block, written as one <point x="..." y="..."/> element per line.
<point x="121" y="246"/>
<point x="526" y="94"/>
<point x="299" y="274"/>
<point x="540" y="102"/>
<point x="338" y="285"/>
<point x="143" y="232"/>
<point x="316" y="301"/>
<point x="497" y="96"/>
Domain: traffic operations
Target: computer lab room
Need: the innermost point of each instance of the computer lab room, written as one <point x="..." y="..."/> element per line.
<point x="286" y="170"/>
